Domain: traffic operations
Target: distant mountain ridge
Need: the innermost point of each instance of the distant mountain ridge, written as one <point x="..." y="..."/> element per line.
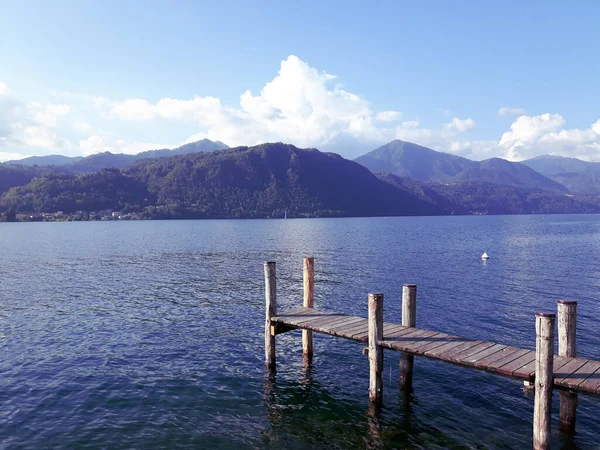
<point x="577" y="175"/>
<point x="406" y="159"/>
<point x="245" y="182"/>
<point x="270" y="180"/>
<point x="105" y="160"/>
<point x="482" y="197"/>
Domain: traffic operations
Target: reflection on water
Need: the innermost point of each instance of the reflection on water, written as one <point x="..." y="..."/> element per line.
<point x="149" y="334"/>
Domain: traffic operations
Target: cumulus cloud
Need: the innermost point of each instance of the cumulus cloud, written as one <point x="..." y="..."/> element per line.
<point x="461" y="125"/>
<point x="82" y="127"/>
<point x="507" y="111"/>
<point x="525" y="131"/>
<point x="530" y="136"/>
<point x="301" y="105"/>
<point x="410" y="124"/>
<point x="99" y="144"/>
<point x="9" y="156"/>
<point x="389" y="116"/>
<point x="30" y="124"/>
<point x="199" y="109"/>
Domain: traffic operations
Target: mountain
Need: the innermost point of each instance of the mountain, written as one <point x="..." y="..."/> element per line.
<point x="577" y="175"/>
<point x="482" y="197"/>
<point x="49" y="160"/>
<point x="11" y="176"/>
<point x="405" y="159"/>
<point x="105" y="160"/>
<point x="501" y="171"/>
<point x="261" y="181"/>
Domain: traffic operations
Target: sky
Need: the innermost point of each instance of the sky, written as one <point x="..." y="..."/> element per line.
<point x="479" y="79"/>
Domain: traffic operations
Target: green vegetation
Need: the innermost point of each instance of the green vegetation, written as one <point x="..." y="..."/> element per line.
<point x="108" y="160"/>
<point x="405" y="159"/>
<point x="271" y="179"/>
<point x="483" y="197"/>
<point x="576" y="175"/>
<point x="262" y="181"/>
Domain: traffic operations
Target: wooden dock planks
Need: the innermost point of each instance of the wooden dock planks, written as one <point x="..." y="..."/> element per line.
<point x="574" y="374"/>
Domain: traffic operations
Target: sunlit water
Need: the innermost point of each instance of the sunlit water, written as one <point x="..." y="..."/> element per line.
<point x="150" y="334"/>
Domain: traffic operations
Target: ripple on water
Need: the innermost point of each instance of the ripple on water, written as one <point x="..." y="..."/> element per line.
<point x="149" y="334"/>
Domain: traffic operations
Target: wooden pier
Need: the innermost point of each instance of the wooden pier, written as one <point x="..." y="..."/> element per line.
<point x="540" y="367"/>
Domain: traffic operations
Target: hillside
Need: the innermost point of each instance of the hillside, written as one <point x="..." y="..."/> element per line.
<point x="49" y="160"/>
<point x="261" y="181"/>
<point x="405" y="159"/>
<point x="11" y="176"/>
<point x="501" y="171"/>
<point x="105" y="160"/>
<point x="482" y="197"/>
<point x="577" y="175"/>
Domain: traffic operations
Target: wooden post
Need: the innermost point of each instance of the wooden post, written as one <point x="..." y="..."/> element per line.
<point x="375" y="350"/>
<point x="409" y="319"/>
<point x="270" y="311"/>
<point x="544" y="378"/>
<point x="309" y="292"/>
<point x="567" y="327"/>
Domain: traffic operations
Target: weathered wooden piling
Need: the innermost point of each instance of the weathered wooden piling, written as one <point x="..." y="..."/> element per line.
<point x="567" y="346"/>
<point x="409" y="319"/>
<point x="270" y="311"/>
<point x="574" y="375"/>
<point x="375" y="320"/>
<point x="309" y="292"/>
<point x="544" y="377"/>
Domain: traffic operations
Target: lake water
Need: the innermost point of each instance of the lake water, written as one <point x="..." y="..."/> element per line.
<point x="150" y="334"/>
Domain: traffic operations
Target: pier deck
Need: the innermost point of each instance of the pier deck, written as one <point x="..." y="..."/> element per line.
<point x="574" y="374"/>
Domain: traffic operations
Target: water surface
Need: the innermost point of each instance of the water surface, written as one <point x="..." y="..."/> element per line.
<point x="150" y="334"/>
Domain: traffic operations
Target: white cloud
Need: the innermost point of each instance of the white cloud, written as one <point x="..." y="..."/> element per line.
<point x="461" y="125"/>
<point x="99" y="144"/>
<point x="48" y="115"/>
<point x="9" y="156"/>
<point x="525" y="132"/>
<point x="198" y="110"/>
<point x="300" y="105"/>
<point x="30" y="124"/>
<point x="531" y="136"/>
<point x="82" y="127"/>
<point x="410" y="124"/>
<point x="389" y="116"/>
<point x="507" y="111"/>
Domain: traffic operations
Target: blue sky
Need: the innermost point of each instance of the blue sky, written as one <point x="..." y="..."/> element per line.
<point x="478" y="79"/>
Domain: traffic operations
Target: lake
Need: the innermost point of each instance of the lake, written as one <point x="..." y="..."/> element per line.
<point x="150" y="334"/>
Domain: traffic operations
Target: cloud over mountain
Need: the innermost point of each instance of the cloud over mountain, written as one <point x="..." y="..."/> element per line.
<point x="300" y="105"/>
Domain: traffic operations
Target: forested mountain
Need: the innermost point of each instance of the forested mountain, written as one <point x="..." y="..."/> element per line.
<point x="261" y="181"/>
<point x="49" y="160"/>
<point x="105" y="160"/>
<point x="577" y="175"/>
<point x="271" y="179"/>
<point x="405" y="159"/>
<point x="482" y="197"/>
<point x="501" y="171"/>
<point x="11" y="176"/>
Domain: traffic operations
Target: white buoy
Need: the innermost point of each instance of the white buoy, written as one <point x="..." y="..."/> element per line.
<point x="485" y="256"/>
